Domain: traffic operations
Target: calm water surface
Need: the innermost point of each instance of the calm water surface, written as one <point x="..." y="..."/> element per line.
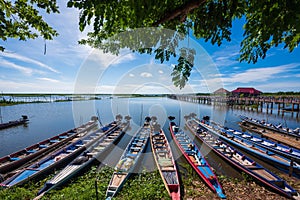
<point x="49" y="119"/>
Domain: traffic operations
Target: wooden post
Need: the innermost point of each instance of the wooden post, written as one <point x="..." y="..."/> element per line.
<point x="291" y="167"/>
<point x="96" y="187"/>
<point x="271" y="107"/>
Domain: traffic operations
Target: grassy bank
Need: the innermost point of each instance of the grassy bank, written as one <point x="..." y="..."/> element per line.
<point x="146" y="185"/>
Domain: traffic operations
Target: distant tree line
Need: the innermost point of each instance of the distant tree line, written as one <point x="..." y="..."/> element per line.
<point x="282" y="93"/>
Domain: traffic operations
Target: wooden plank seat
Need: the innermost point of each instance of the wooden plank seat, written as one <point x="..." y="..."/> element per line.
<point x="91" y="153"/>
<point x="54" y="141"/>
<point x="131" y="155"/>
<point x="253" y="167"/>
<point x="159" y="143"/>
<point x="63" y="137"/>
<point x="162" y="151"/>
<point x="14" y="158"/>
<point x="165" y="162"/>
<point x="31" y="151"/>
<point x="135" y="148"/>
<point x="43" y="146"/>
<point x="279" y="183"/>
<point x="190" y="152"/>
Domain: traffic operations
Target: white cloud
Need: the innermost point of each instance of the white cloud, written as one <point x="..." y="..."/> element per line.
<point x="22" y="69"/>
<point x="227" y="56"/>
<point x="27" y="60"/>
<point x="280" y="86"/>
<point x="131" y="75"/>
<point x="160" y="71"/>
<point x="48" y="80"/>
<point x="259" y="74"/>
<point x="146" y="75"/>
<point x="40" y="87"/>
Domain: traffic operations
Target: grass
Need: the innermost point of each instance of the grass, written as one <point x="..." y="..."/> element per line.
<point x="146" y="185"/>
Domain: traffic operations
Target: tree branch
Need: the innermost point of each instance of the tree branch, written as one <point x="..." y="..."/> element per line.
<point x="182" y="10"/>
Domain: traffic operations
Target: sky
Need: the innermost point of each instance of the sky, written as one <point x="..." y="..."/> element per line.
<point x="68" y="67"/>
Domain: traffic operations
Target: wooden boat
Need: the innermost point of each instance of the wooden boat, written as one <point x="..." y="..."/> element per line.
<point x="278" y="161"/>
<point x="57" y="159"/>
<point x="85" y="159"/>
<point x="32" y="153"/>
<point x="281" y="149"/>
<point x="165" y="162"/>
<point x="273" y="136"/>
<point x="275" y="128"/>
<point x="18" y="122"/>
<point x="241" y="162"/>
<point x="129" y="159"/>
<point x="193" y="155"/>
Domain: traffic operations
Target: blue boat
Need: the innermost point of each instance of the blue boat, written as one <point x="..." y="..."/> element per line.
<point x="12" y="162"/>
<point x="241" y="162"/>
<point x="281" y="149"/>
<point x="59" y="158"/>
<point x="250" y="147"/>
<point x="85" y="159"/>
<point x="196" y="159"/>
<point x="275" y="128"/>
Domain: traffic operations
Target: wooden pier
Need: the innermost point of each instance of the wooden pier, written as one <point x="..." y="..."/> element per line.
<point x="281" y="105"/>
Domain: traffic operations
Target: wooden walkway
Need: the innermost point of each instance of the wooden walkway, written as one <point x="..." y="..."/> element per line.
<point x="260" y="103"/>
<point x="278" y="137"/>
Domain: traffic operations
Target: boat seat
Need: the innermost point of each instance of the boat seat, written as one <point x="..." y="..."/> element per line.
<point x="165" y="162"/>
<point x="91" y="153"/>
<point x="131" y="155"/>
<point x="270" y="153"/>
<point x="135" y="148"/>
<point x="279" y="183"/>
<point x="159" y="142"/>
<point x="43" y="146"/>
<point x="253" y="167"/>
<point x="162" y="151"/>
<point x="14" y="158"/>
<point x="54" y="141"/>
<point x="63" y="137"/>
<point x="79" y="145"/>
<point x="31" y="151"/>
<point x="70" y="151"/>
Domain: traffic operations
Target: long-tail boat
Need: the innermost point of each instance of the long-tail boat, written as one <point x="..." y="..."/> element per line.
<point x="57" y="159"/>
<point x="85" y="159"/>
<point x="278" y="161"/>
<point x="275" y="128"/>
<point x="32" y="153"/>
<point x="196" y="159"/>
<point x="281" y="149"/>
<point x="164" y="160"/>
<point x="241" y="162"/>
<point x="17" y="122"/>
<point x="129" y="159"/>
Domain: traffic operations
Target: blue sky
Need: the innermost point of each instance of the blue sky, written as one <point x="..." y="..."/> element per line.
<point x="69" y="68"/>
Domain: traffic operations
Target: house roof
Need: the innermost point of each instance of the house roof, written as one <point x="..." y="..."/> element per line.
<point x="247" y="90"/>
<point x="221" y="91"/>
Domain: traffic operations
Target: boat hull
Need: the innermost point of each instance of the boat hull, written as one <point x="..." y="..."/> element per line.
<point x="196" y="160"/>
<point x="165" y="163"/>
<point x="15" y="160"/>
<point x="241" y="162"/>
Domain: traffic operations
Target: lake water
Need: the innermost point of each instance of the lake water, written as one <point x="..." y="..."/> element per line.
<point x="49" y="119"/>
